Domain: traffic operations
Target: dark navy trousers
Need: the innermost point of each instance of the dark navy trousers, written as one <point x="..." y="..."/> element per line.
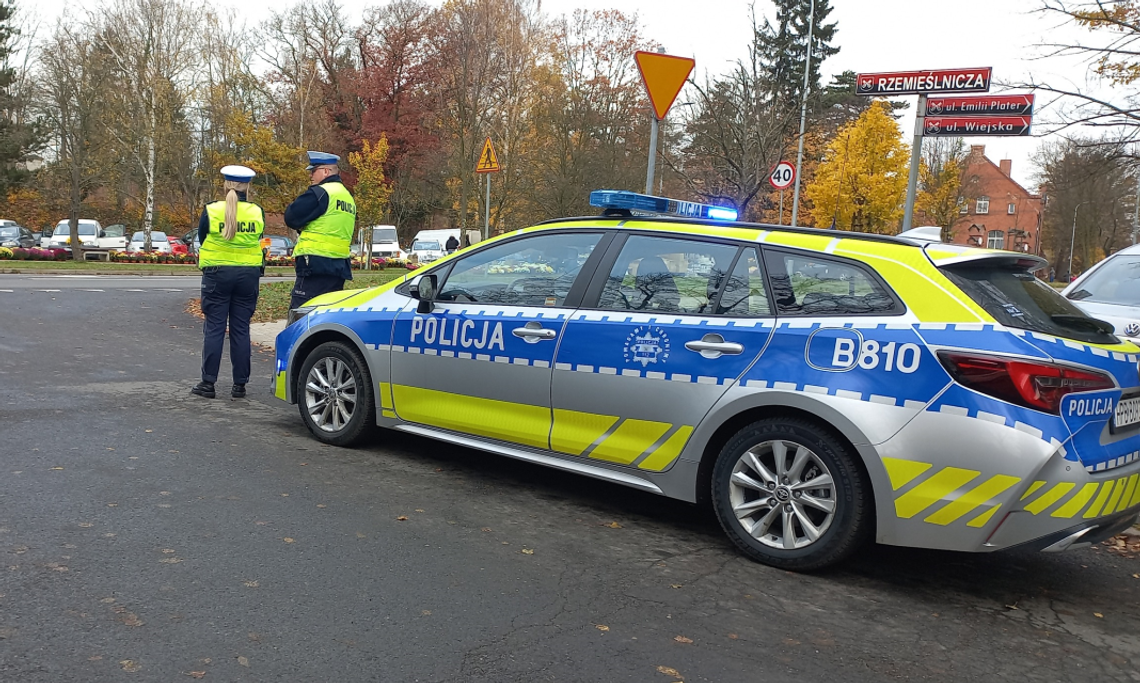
<point x="311" y="286"/>
<point x="229" y="293"/>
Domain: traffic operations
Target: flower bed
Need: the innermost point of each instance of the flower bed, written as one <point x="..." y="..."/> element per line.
<point x="357" y="263"/>
<point x="153" y="257"/>
<point x="34" y="254"/>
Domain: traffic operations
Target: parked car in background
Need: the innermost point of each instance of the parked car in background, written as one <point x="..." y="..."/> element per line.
<point x="279" y="246"/>
<point x="191" y="241"/>
<point x="159" y="242"/>
<point x="113" y="237"/>
<point x="178" y="247"/>
<point x="16" y="236"/>
<point x="385" y="242"/>
<point x="1110" y="291"/>
<point x="88" y="234"/>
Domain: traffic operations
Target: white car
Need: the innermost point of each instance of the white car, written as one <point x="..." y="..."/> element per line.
<point x="88" y="234"/>
<point x="385" y="242"/>
<point x="1110" y="291"/>
<point x="159" y="242"/>
<point x="426" y="251"/>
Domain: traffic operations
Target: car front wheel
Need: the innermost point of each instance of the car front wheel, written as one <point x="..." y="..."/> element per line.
<point x="334" y="392"/>
<point x="790" y="495"/>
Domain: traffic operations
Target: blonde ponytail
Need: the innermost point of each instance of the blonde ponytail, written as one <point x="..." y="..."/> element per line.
<point x="232" y="188"/>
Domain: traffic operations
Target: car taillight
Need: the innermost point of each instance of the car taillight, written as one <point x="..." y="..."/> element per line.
<point x="1040" y="386"/>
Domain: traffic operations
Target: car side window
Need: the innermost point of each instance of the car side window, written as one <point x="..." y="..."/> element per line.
<point x="744" y="291"/>
<point x="665" y="275"/>
<point x="806" y="284"/>
<point x="533" y="271"/>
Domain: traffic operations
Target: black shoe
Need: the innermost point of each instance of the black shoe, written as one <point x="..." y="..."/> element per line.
<point x="238" y="391"/>
<point x="203" y="389"/>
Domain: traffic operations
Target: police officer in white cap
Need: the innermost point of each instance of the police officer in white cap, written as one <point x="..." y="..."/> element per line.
<point x="230" y="258"/>
<point x="325" y="215"/>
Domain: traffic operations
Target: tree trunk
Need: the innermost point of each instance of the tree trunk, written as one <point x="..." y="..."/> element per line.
<point x="148" y="217"/>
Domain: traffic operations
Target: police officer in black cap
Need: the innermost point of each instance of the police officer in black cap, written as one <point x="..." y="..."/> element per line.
<point x="325" y="215"/>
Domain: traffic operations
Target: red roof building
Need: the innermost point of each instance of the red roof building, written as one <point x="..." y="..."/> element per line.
<point x="995" y="211"/>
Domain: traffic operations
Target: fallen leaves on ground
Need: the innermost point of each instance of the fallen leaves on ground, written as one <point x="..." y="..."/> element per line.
<point x="669" y="671"/>
<point x="402" y="518"/>
<point x="613" y="525"/>
<point x="130" y="665"/>
<point x="196" y="674"/>
<point x="1098" y="615"/>
<point x="527" y="551"/>
<point x="288" y="540"/>
<point x="682" y="639"/>
<point x="171" y="560"/>
<point x="601" y="627"/>
<point x="1125" y="545"/>
<point x="131" y="619"/>
<point x="243" y="661"/>
<point x="251" y="584"/>
<point x="675" y="585"/>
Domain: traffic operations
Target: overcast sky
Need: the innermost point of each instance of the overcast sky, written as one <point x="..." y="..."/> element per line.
<point x="873" y="35"/>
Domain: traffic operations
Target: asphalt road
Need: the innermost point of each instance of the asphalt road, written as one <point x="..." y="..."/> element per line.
<point x="148" y="535"/>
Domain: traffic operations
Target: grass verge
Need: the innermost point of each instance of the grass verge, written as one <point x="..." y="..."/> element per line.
<point x="274" y="301"/>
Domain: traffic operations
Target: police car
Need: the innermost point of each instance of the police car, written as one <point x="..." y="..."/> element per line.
<point x="820" y="389"/>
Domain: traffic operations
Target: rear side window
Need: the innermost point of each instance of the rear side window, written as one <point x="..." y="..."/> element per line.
<point x="1015" y="298"/>
<point x="806" y="284"/>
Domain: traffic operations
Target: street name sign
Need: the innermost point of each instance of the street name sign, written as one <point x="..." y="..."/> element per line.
<point x="981" y="105"/>
<point x="488" y="162"/>
<point x="924" y="82"/>
<point x="664" y="76"/>
<point x="783" y="175"/>
<point x="968" y="126"/>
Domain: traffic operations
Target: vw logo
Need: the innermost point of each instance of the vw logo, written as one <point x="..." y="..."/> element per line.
<point x="1132" y="330"/>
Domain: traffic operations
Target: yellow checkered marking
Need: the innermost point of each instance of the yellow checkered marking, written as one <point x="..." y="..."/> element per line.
<point x="1126" y="499"/>
<point x="386" y="395"/>
<point x="1077" y="502"/>
<point x="574" y="431"/>
<point x="1032" y="489"/>
<point x="279" y="387"/>
<point x="1101" y="498"/>
<point x="1110" y="507"/>
<point x="1049" y="497"/>
<point x="668" y="452"/>
<point x="933" y="489"/>
<point x="1135" y="497"/>
<point x="515" y="422"/>
<point x="972" y="499"/>
<point x="902" y="472"/>
<point x="629" y="441"/>
<point x="981" y="520"/>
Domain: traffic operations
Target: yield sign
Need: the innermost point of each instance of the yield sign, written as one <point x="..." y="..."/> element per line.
<point x="664" y="76"/>
<point x="488" y="162"/>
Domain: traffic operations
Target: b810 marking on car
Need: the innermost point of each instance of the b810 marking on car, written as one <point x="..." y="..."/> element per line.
<point x="893" y="356"/>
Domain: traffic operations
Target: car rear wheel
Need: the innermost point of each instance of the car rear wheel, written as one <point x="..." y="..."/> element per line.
<point x="790" y="495"/>
<point x="334" y="393"/>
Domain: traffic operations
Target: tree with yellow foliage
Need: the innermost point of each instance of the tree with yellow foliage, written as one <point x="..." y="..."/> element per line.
<point x="280" y="175"/>
<point x="861" y="182"/>
<point x="371" y="191"/>
<point x="940" y="184"/>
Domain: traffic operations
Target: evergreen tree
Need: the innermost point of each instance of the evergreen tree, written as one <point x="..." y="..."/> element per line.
<point x="781" y="47"/>
<point x="17" y="140"/>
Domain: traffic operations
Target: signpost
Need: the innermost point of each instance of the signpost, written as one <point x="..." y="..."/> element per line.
<point x="985" y="105"/>
<point x="959" y="126"/>
<point x="953" y="116"/>
<point x="782" y="178"/>
<point x="488" y="163"/>
<point x="664" y="76"/>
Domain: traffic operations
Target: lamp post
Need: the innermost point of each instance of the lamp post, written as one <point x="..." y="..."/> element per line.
<point x="1073" y="240"/>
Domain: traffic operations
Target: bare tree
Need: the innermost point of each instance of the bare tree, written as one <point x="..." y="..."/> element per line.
<point x="151" y="46"/>
<point x="73" y="81"/>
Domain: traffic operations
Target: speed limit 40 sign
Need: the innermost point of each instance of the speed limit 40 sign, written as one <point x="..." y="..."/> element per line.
<point x="783" y="175"/>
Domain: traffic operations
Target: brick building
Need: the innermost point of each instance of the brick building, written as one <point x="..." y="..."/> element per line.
<point x="996" y="212"/>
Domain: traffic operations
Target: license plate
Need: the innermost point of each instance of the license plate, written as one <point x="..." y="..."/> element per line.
<point x="1127" y="413"/>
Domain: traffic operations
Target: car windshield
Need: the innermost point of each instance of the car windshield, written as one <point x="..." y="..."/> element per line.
<point x="1015" y="298"/>
<point x="279" y="241"/>
<point x="1117" y="281"/>
<point x="86" y="229"/>
<point x="154" y="236"/>
<point x="115" y="230"/>
<point x="420" y="245"/>
<point x="383" y="235"/>
<point x="9" y="232"/>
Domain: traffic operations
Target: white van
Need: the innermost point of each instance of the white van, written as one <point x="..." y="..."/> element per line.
<point x="385" y="243"/>
<point x="431" y="245"/>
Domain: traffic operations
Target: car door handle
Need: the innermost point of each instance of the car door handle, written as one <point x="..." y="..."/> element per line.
<point x="714" y="346"/>
<point x="533" y="332"/>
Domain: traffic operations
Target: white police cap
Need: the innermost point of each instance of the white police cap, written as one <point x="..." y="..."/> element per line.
<point x="238" y="174"/>
<point x="321" y="159"/>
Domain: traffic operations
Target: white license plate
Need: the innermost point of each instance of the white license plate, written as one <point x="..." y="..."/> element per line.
<point x="1127" y="413"/>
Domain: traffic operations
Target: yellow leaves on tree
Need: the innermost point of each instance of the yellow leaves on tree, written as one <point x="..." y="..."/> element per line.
<point x="371" y="192"/>
<point x="937" y="202"/>
<point x="280" y="174"/>
<point x="1121" y="20"/>
<point x="861" y="181"/>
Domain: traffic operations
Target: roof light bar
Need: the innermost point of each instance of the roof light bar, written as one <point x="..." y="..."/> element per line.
<point x="644" y="203"/>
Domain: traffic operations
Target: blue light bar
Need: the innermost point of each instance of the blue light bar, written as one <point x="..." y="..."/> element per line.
<point x="644" y="203"/>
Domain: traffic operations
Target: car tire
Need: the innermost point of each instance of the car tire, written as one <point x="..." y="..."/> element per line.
<point x="806" y="514"/>
<point x="334" y="394"/>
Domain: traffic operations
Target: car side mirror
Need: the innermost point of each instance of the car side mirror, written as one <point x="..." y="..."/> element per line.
<point x="102" y="234"/>
<point x="425" y="292"/>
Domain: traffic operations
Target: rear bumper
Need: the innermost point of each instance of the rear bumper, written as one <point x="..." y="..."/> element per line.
<point x="1086" y="533"/>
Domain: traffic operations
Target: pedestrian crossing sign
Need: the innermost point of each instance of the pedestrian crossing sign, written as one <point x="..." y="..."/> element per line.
<point x="488" y="162"/>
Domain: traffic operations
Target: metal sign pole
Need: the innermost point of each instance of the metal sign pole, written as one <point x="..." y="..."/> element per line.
<point x="780" y="220"/>
<point x="803" y="115"/>
<point x="915" y="159"/>
<point x="487" y="210"/>
<point x="652" y="157"/>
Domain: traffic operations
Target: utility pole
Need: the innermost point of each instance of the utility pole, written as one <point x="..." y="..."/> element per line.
<point x="915" y="161"/>
<point x="803" y="114"/>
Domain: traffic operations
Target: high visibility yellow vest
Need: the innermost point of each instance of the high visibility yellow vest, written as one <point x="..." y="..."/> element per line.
<point x="245" y="248"/>
<point x="330" y="235"/>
